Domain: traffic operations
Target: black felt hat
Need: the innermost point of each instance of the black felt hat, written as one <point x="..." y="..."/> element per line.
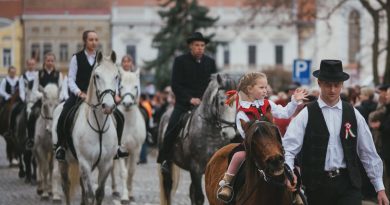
<point x="332" y="71"/>
<point x="197" y="36"/>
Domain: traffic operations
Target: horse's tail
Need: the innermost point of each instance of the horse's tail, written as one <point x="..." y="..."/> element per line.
<point x="74" y="178"/>
<point x="168" y="184"/>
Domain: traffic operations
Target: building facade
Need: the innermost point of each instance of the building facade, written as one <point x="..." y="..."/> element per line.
<point x="59" y="29"/>
<point x="11" y="35"/>
<point x="241" y="46"/>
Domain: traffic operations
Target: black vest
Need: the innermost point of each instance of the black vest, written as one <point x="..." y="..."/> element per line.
<point x="315" y="145"/>
<point x="84" y="71"/>
<point x="30" y="83"/>
<point x="11" y="89"/>
<point x="46" y="78"/>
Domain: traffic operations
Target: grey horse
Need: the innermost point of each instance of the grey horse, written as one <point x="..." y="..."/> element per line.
<point x="210" y="127"/>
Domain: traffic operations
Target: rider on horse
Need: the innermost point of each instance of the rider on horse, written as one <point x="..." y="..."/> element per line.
<point x="252" y="105"/>
<point x="8" y="87"/>
<point x="47" y="75"/>
<point x="28" y="78"/>
<point x="80" y="70"/>
<point x="190" y="77"/>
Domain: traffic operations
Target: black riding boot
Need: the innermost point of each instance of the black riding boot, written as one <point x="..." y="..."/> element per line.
<point x="120" y="119"/>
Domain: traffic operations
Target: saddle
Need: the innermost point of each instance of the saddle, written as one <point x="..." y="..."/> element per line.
<point x="184" y="124"/>
<point x="69" y="120"/>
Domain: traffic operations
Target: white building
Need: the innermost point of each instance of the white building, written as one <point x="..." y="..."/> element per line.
<point x="243" y="46"/>
<point x="347" y="35"/>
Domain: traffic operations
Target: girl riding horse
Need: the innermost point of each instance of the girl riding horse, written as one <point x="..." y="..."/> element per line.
<point x="252" y="105"/>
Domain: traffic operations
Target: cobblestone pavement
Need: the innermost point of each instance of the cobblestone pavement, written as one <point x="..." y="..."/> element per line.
<point x="13" y="191"/>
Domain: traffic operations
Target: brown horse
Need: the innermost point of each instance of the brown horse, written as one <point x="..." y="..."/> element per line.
<point x="5" y="115"/>
<point x="264" y="168"/>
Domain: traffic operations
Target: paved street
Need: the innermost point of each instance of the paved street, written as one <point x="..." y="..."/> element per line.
<point x="146" y="191"/>
<point x="14" y="191"/>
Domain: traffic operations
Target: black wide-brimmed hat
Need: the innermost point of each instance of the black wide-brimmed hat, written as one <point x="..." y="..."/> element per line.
<point x="331" y="70"/>
<point x="197" y="36"/>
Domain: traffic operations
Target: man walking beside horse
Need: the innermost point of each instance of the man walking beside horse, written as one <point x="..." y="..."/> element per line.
<point x="190" y="76"/>
<point x="333" y="136"/>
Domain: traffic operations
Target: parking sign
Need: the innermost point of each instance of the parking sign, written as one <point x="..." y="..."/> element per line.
<point x="301" y="71"/>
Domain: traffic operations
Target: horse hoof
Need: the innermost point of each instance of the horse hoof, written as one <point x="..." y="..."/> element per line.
<point x="27" y="180"/>
<point x="57" y="201"/>
<point x="125" y="202"/>
<point x="22" y="174"/>
<point x="33" y="182"/>
<point x="45" y="198"/>
<point x="116" y="194"/>
<point x="132" y="199"/>
<point x="39" y="192"/>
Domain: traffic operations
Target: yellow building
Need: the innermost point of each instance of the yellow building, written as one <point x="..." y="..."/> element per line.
<point x="11" y="38"/>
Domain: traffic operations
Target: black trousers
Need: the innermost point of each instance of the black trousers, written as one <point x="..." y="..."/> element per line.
<point x="387" y="165"/>
<point x="62" y="132"/>
<point x="32" y="119"/>
<point x="173" y="129"/>
<point x="335" y="191"/>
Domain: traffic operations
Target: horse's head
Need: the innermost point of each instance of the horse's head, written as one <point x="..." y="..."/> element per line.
<point x="128" y="88"/>
<point x="104" y="80"/>
<point x="222" y="115"/>
<point x="50" y="100"/>
<point x="264" y="148"/>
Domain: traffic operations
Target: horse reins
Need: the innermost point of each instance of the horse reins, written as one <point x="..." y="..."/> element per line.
<point x="100" y="129"/>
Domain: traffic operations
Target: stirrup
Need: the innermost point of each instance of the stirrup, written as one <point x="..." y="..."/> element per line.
<point x="231" y="197"/>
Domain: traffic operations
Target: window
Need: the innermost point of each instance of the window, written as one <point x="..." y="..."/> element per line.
<point x="7" y="57"/>
<point x="252" y="55"/>
<point x="353" y="36"/>
<point x="226" y="54"/>
<point x="63" y="52"/>
<point x="132" y="50"/>
<point x="47" y="48"/>
<point x="35" y="51"/>
<point x="279" y="55"/>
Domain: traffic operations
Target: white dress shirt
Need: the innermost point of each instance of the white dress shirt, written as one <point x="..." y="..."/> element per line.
<point x="12" y="82"/>
<point x="277" y="111"/>
<point x="293" y="141"/>
<point x="31" y="76"/>
<point x="36" y="84"/>
<point x="73" y="71"/>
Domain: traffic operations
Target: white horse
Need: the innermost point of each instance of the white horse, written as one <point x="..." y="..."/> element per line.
<point x="43" y="146"/>
<point x="134" y="134"/>
<point x="94" y="134"/>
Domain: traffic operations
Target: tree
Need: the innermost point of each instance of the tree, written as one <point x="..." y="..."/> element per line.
<point x="378" y="9"/>
<point x="181" y="18"/>
<point x="377" y="13"/>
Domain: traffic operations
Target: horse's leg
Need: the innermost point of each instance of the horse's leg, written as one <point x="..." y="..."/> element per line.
<point x="9" y="148"/>
<point x="115" y="192"/>
<point x="196" y="194"/>
<point x="64" y="168"/>
<point x="22" y="173"/>
<point x="86" y="181"/>
<point x="123" y="178"/>
<point x="56" y="180"/>
<point x="131" y="165"/>
<point x="83" y="193"/>
<point x="27" y="162"/>
<point x="104" y="171"/>
<point x="44" y="177"/>
<point x="34" y="171"/>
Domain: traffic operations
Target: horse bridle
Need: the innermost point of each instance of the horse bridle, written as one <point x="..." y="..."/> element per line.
<point x="133" y="97"/>
<point x="44" y="116"/>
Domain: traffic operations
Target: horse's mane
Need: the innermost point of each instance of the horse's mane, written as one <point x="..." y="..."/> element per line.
<point x="226" y="84"/>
